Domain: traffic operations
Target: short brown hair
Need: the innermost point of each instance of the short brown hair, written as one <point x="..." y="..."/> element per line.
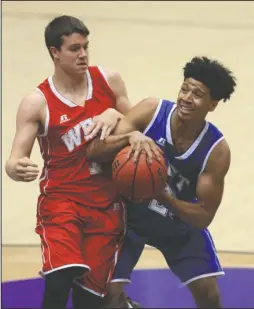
<point x="63" y="25"/>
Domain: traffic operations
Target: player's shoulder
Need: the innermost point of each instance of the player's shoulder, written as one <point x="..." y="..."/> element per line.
<point x="32" y="103"/>
<point x="156" y="103"/>
<point x="151" y="103"/>
<point x="34" y="97"/>
<point x="222" y="149"/>
<point x="113" y="77"/>
<point x="220" y="157"/>
<point x="109" y="72"/>
<point x="213" y="127"/>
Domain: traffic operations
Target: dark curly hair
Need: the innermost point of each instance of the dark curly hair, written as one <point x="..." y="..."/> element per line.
<point x="213" y="75"/>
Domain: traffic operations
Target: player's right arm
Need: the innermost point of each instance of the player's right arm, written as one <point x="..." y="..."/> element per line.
<point x="106" y="122"/>
<point x="127" y="133"/>
<point x="19" y="166"/>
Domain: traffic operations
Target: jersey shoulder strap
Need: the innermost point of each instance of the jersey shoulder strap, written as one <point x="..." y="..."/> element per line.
<point x="156" y="129"/>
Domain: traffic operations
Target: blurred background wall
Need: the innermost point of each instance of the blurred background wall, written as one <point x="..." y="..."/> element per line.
<point x="148" y="43"/>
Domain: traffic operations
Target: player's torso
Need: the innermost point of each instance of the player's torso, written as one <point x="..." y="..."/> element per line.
<point x="183" y="173"/>
<point x="62" y="142"/>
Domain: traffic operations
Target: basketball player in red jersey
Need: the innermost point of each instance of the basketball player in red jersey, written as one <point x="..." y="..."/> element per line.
<point x="80" y="219"/>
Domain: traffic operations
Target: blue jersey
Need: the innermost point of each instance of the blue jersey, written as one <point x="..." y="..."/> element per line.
<point x="183" y="172"/>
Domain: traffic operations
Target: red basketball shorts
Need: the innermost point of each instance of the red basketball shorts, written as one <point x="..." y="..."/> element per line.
<point x="75" y="235"/>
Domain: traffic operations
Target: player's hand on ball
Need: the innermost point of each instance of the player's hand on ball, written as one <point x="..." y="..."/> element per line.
<point x="25" y="170"/>
<point x="139" y="142"/>
<point x="104" y="123"/>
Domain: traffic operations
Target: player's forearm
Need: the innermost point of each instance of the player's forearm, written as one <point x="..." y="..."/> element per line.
<point x="192" y="213"/>
<point x="103" y="151"/>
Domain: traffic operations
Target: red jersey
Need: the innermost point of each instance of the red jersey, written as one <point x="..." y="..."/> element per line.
<point x="62" y="143"/>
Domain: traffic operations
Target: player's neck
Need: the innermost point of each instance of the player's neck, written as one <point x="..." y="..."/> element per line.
<point x="68" y="83"/>
<point x="188" y="129"/>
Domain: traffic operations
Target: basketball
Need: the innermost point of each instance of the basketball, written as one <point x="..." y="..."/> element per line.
<point x="141" y="180"/>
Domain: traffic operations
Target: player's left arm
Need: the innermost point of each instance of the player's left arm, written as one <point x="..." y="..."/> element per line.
<point x="107" y="121"/>
<point x="209" y="190"/>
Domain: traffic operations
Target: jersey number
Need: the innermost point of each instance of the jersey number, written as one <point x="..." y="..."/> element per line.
<point x="180" y="182"/>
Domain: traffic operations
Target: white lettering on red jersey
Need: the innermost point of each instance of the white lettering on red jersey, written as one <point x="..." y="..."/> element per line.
<point x="62" y="143"/>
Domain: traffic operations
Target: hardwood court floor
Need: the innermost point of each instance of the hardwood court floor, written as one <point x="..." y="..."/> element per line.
<point x="24" y="262"/>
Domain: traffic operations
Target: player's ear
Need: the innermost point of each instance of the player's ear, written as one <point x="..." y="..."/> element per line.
<point x="54" y="52"/>
<point x="213" y="105"/>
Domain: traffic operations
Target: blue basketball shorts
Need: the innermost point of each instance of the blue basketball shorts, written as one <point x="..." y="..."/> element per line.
<point x="190" y="257"/>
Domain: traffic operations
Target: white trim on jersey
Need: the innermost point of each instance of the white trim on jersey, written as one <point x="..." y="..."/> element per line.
<point x="154" y="117"/>
<point x="208" y="154"/>
<point x="46" y="126"/>
<point x="168" y="128"/>
<point x="66" y="101"/>
<point x="195" y="144"/>
<point x="58" y="95"/>
<point x="89" y="85"/>
<point x="104" y="75"/>
<point x="46" y="166"/>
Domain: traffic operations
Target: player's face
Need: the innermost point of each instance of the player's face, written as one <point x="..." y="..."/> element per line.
<point x="194" y="100"/>
<point x="73" y="54"/>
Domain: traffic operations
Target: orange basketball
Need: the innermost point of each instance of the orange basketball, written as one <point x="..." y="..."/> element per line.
<point x="141" y="180"/>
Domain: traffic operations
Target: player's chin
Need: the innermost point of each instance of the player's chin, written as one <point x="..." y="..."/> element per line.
<point x="185" y="115"/>
<point x="78" y="71"/>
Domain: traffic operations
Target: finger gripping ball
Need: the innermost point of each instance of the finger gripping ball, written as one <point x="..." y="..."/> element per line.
<point x="140" y="180"/>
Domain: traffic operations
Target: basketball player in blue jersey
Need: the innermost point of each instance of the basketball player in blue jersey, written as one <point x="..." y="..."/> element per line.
<point x="198" y="157"/>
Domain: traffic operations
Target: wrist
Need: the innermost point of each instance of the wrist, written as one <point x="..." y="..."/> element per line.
<point x="114" y="112"/>
<point x="165" y="197"/>
<point x="130" y="134"/>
